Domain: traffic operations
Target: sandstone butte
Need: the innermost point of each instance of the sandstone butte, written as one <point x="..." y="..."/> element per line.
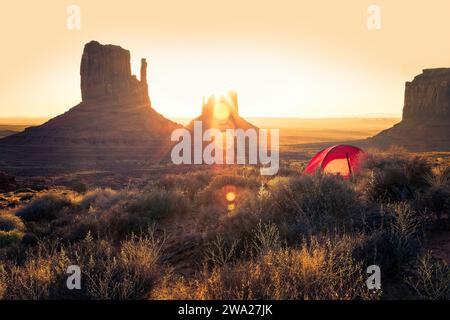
<point x="425" y="124"/>
<point x="114" y="124"/>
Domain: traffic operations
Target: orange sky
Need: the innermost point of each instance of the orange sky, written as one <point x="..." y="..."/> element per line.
<point x="286" y="58"/>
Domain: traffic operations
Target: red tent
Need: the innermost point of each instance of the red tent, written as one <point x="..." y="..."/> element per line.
<point x="340" y="159"/>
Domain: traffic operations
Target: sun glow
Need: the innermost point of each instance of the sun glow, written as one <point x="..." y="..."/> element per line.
<point x="221" y="111"/>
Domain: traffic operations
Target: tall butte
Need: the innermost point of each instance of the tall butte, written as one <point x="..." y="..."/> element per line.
<point x="113" y="125"/>
<point x="425" y="124"/>
<point x="221" y="112"/>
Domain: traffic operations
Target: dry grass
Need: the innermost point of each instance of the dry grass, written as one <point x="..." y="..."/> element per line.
<point x="290" y="236"/>
<point x="11" y="229"/>
<point x="432" y="279"/>
<point x="313" y="271"/>
<point x="127" y="271"/>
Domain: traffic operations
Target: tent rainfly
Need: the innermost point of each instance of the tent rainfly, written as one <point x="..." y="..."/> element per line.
<point x="343" y="160"/>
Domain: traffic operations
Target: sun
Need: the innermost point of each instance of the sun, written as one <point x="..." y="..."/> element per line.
<point x="221" y="110"/>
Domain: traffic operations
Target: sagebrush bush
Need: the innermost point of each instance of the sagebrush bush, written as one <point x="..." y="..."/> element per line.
<point x="402" y="235"/>
<point x="40" y="274"/>
<point x="49" y="206"/>
<point x="2" y="281"/>
<point x="215" y="192"/>
<point x="299" y="206"/>
<point x="79" y="187"/>
<point x="11" y="230"/>
<point x="289" y="236"/>
<point x="313" y="271"/>
<point x="118" y="214"/>
<point x="386" y="185"/>
<point x="124" y="272"/>
<point x="251" y="208"/>
<point x="394" y="178"/>
<point x="9" y="222"/>
<point x="440" y="176"/>
<point x="437" y="199"/>
<point x="431" y="280"/>
<point x="314" y="203"/>
<point x="102" y="199"/>
<point x="8" y="238"/>
<point x="158" y="203"/>
<point x="190" y="183"/>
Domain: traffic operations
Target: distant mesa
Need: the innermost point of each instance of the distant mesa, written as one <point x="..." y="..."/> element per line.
<point x="221" y="111"/>
<point x="425" y="124"/>
<point x="114" y="122"/>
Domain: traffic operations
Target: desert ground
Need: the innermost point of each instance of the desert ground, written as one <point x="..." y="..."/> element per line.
<point x="214" y="232"/>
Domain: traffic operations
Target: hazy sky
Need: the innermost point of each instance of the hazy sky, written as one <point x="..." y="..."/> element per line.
<point x="285" y="57"/>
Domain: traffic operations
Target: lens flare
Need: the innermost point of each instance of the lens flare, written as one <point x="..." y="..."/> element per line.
<point x="230" y="196"/>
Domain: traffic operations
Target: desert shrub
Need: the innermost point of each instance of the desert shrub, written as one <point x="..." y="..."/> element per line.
<point x="417" y="170"/>
<point x="385" y="250"/>
<point x="215" y="192"/>
<point x="140" y="211"/>
<point x="440" y="176"/>
<point x="404" y="231"/>
<point x="126" y="273"/>
<point x="393" y="244"/>
<point x="210" y="216"/>
<point x="248" y="171"/>
<point x="79" y="187"/>
<point x="298" y="206"/>
<point x="95" y="211"/>
<point x="313" y="203"/>
<point x="240" y="243"/>
<point x="48" y="206"/>
<point x="437" y="199"/>
<point x="407" y="221"/>
<point x="8" y="238"/>
<point x="315" y="270"/>
<point x="431" y="279"/>
<point x="108" y="272"/>
<point x="2" y="281"/>
<point x="386" y="184"/>
<point x="11" y="230"/>
<point x="35" y="279"/>
<point x="266" y="238"/>
<point x="285" y="171"/>
<point x="219" y="251"/>
<point x="394" y="178"/>
<point x="9" y="222"/>
<point x="316" y="195"/>
<point x="102" y="198"/>
<point x="158" y="203"/>
<point x="251" y="209"/>
<point x="189" y="183"/>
